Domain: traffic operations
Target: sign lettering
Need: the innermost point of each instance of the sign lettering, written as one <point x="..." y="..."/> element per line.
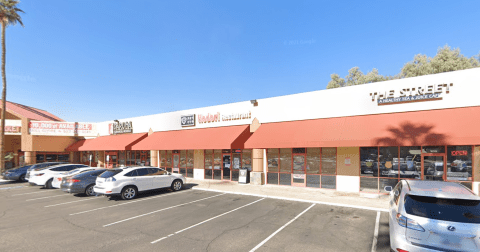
<point x="122" y="127"/>
<point x="413" y="94"/>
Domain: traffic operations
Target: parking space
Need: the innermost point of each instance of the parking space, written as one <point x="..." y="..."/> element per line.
<point x="190" y="220"/>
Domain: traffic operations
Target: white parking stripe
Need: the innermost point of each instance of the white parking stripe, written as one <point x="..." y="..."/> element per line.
<point x="375" y="233"/>
<point x="48" y="197"/>
<point x="200" y="223"/>
<point x="138" y="216"/>
<point x="73" y="201"/>
<point x="280" y="229"/>
<point x="30" y="193"/>
<point x="133" y="201"/>
<point x="14" y="187"/>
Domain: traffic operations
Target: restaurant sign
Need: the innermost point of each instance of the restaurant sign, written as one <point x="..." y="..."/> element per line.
<point x="122" y="127"/>
<point x="13" y="127"/>
<point x="212" y="118"/>
<point x="413" y="94"/>
<point x="188" y="120"/>
<point x="49" y="128"/>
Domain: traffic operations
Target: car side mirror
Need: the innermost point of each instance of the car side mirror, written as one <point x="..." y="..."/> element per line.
<point x="396" y="192"/>
<point x="388" y="188"/>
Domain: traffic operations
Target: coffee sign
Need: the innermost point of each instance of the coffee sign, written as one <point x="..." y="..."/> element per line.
<point x="412" y="94"/>
<point x="188" y="120"/>
<point x="122" y="127"/>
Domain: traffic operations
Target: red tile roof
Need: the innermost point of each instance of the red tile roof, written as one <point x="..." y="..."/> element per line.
<point x="30" y="112"/>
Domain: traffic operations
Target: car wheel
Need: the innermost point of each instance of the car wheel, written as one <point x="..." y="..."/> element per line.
<point x="48" y="185"/>
<point x="89" y="190"/>
<point x="129" y="192"/>
<point x="177" y="185"/>
<point x="22" y="178"/>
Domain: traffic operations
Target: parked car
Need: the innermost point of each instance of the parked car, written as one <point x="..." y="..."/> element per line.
<point x="44" y="177"/>
<point x="37" y="167"/>
<point x="82" y="182"/>
<point x="127" y="182"/>
<point x="16" y="174"/>
<point x="433" y="216"/>
<point x="57" y="179"/>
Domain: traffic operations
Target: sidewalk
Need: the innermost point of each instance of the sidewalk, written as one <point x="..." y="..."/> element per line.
<point x="313" y="195"/>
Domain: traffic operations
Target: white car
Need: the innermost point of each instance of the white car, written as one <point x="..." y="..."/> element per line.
<point x="127" y="182"/>
<point x="45" y="176"/>
<point x="57" y="179"/>
<point x="433" y="216"/>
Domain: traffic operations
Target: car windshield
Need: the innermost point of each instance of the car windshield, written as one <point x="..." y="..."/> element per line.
<point x="110" y="173"/>
<point x="456" y="210"/>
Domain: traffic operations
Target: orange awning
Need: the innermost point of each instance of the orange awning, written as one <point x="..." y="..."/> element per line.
<point x="231" y="137"/>
<point x="112" y="142"/>
<point x="457" y="126"/>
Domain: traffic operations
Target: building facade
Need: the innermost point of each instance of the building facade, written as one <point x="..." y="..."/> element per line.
<point x="354" y="139"/>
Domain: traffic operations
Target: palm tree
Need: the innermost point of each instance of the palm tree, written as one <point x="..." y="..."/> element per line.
<point x="9" y="15"/>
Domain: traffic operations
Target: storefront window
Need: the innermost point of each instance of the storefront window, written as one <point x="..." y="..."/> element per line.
<point x="313" y="160"/>
<point x="410" y="162"/>
<point x="208" y="159"/>
<point x="388" y="159"/>
<point x="128" y="158"/>
<point x="433" y="149"/>
<point x="168" y="162"/>
<point x="217" y="159"/>
<point x="121" y="158"/>
<point x="163" y="158"/>
<point x="137" y="158"/>
<point x="63" y="158"/>
<point x="459" y="163"/>
<point x="247" y="159"/>
<point x="132" y="159"/>
<point x="50" y="158"/>
<point x="190" y="159"/>
<point x="329" y="161"/>
<point x="286" y="160"/>
<point x="369" y="161"/>
<point x="272" y="160"/>
<point x="183" y="159"/>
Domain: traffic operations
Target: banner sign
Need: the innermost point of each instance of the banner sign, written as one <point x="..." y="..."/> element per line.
<point x="188" y="120"/>
<point x="49" y="128"/>
<point x="122" y="127"/>
<point x="13" y="127"/>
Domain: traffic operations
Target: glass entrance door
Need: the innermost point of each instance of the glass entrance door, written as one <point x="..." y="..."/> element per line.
<point x="433" y="168"/>
<point x="176" y="161"/>
<point x="237" y="157"/>
<point x="226" y="166"/>
<point x="298" y="178"/>
<point x="111" y="158"/>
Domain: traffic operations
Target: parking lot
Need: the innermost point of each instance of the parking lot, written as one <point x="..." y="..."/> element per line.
<point x="32" y="218"/>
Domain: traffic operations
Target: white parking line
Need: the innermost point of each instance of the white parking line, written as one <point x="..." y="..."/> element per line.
<point x="138" y="216"/>
<point x="133" y="201"/>
<point x="375" y="233"/>
<point x="14" y="187"/>
<point x="48" y="197"/>
<point x="74" y="201"/>
<point x="30" y="193"/>
<point x="280" y="229"/>
<point x="200" y="223"/>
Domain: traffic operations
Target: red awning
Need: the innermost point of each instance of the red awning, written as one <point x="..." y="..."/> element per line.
<point x="232" y="137"/>
<point x="457" y="126"/>
<point x="112" y="142"/>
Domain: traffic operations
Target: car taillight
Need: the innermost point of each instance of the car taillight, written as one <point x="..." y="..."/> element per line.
<point x="409" y="223"/>
<point x="59" y="179"/>
<point x="111" y="179"/>
<point x="401" y="250"/>
<point x="72" y="180"/>
<point x="40" y="174"/>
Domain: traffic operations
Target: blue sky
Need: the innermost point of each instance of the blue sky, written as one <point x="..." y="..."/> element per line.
<point x="93" y="61"/>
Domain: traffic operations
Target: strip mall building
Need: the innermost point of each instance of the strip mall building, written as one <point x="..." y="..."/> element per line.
<point x="353" y="139"/>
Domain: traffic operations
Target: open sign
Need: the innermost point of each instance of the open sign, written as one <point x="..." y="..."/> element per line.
<point x="459" y="153"/>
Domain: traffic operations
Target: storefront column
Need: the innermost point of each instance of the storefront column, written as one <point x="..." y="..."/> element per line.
<point x="154" y="158"/>
<point x="30" y="157"/>
<point x="476" y="170"/>
<point x="101" y="159"/>
<point x="257" y="176"/>
<point x="348" y="167"/>
<point x="199" y="164"/>
<point x="71" y="157"/>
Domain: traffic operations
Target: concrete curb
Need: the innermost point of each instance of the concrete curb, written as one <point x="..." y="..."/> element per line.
<point x="298" y="200"/>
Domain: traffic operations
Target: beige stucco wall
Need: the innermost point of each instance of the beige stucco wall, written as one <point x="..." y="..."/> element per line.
<point x="154" y="158"/>
<point x="199" y="159"/>
<point x="257" y="160"/>
<point x="343" y="168"/>
<point x="101" y="159"/>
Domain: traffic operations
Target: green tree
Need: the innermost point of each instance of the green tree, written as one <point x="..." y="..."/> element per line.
<point x="446" y="60"/>
<point x="9" y="15"/>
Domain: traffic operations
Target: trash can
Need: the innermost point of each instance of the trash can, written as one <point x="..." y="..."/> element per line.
<point x="244" y="176"/>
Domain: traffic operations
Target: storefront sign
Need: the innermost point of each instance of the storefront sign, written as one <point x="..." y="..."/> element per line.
<point x="414" y="94"/>
<point x="188" y="120"/>
<point x="347" y="161"/>
<point x="49" y="128"/>
<point x="122" y="127"/>
<point x="13" y="127"/>
<point x="459" y="153"/>
<point x="212" y="118"/>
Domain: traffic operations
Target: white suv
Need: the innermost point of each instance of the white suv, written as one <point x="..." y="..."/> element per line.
<point x="127" y="182"/>
<point x="433" y="216"/>
<point x="45" y="177"/>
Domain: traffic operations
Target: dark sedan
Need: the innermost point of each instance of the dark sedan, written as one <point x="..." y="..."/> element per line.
<point x="17" y="174"/>
<point x="81" y="183"/>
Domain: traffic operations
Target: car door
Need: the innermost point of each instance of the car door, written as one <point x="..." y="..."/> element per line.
<point x="160" y="178"/>
<point x="142" y="180"/>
